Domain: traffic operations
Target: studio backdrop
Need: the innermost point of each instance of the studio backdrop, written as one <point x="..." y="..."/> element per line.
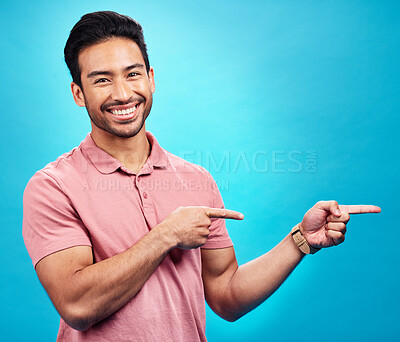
<point x="285" y="102"/>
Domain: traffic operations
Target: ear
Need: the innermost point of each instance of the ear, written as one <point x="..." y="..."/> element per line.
<point x="78" y="95"/>
<point x="151" y="80"/>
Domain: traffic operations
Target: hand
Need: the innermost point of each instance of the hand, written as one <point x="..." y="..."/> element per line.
<point x="189" y="226"/>
<point x="324" y="225"/>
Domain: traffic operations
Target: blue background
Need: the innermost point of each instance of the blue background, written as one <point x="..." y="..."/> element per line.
<point x="285" y="102"/>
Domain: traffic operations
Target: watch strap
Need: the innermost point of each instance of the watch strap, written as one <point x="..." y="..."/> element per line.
<point x="301" y="241"/>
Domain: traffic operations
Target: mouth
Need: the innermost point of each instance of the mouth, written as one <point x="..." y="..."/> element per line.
<point x="123" y="113"/>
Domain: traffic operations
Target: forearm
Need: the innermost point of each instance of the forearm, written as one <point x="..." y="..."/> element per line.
<point x="232" y="291"/>
<point x="253" y="282"/>
<point x="98" y="290"/>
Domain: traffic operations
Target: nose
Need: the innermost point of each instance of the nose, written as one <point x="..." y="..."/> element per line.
<point x="121" y="91"/>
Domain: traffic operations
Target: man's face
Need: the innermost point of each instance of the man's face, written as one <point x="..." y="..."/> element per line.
<point x="116" y="89"/>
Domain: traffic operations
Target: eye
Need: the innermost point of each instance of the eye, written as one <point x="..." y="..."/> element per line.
<point x="133" y="74"/>
<point x="101" y="80"/>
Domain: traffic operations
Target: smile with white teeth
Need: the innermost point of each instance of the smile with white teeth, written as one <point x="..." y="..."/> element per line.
<point x="125" y="111"/>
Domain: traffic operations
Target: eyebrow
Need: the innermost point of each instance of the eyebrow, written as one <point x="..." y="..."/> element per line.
<point x="109" y="73"/>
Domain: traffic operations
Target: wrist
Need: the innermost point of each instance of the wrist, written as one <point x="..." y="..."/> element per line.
<point x="166" y="235"/>
<point x="301" y="242"/>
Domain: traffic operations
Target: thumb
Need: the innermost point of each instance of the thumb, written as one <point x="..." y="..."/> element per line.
<point x="334" y="208"/>
<point x="329" y="206"/>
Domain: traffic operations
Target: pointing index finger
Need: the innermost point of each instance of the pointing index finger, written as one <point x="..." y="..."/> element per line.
<point x="359" y="209"/>
<point x="224" y="213"/>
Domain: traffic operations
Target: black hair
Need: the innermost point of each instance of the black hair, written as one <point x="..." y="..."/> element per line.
<point x="97" y="27"/>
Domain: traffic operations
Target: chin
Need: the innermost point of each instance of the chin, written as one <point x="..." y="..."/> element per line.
<point x="126" y="133"/>
<point x="120" y="129"/>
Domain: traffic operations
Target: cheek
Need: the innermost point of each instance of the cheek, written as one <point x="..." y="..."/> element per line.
<point x="95" y="99"/>
<point x="143" y="87"/>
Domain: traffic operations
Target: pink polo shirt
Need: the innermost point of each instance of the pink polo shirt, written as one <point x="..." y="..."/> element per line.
<point x="86" y="197"/>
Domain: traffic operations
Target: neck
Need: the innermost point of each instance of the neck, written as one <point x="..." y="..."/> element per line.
<point x="131" y="152"/>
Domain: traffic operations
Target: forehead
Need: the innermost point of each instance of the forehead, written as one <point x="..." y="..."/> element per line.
<point x="112" y="54"/>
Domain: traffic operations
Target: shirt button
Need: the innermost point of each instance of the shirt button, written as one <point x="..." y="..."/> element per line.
<point x="145" y="195"/>
<point x="138" y="179"/>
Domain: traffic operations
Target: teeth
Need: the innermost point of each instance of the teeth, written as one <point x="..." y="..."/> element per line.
<point x="125" y="111"/>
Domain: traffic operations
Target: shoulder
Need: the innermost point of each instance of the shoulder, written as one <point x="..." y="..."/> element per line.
<point x="64" y="165"/>
<point x="56" y="173"/>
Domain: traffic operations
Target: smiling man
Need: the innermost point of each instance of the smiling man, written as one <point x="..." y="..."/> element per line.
<point x="125" y="251"/>
<point x="109" y="71"/>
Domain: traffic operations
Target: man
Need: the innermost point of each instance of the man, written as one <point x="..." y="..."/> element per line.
<point x="124" y="248"/>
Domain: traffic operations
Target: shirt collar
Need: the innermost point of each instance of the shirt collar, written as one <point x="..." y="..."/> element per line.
<point x="107" y="164"/>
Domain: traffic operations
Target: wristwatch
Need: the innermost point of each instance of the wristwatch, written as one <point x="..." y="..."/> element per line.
<point x="301" y="241"/>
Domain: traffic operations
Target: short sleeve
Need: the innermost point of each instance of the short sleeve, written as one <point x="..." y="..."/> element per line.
<point x="219" y="237"/>
<point x="50" y="222"/>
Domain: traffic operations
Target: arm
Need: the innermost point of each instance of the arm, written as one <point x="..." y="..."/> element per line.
<point x="232" y="291"/>
<point x="84" y="293"/>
